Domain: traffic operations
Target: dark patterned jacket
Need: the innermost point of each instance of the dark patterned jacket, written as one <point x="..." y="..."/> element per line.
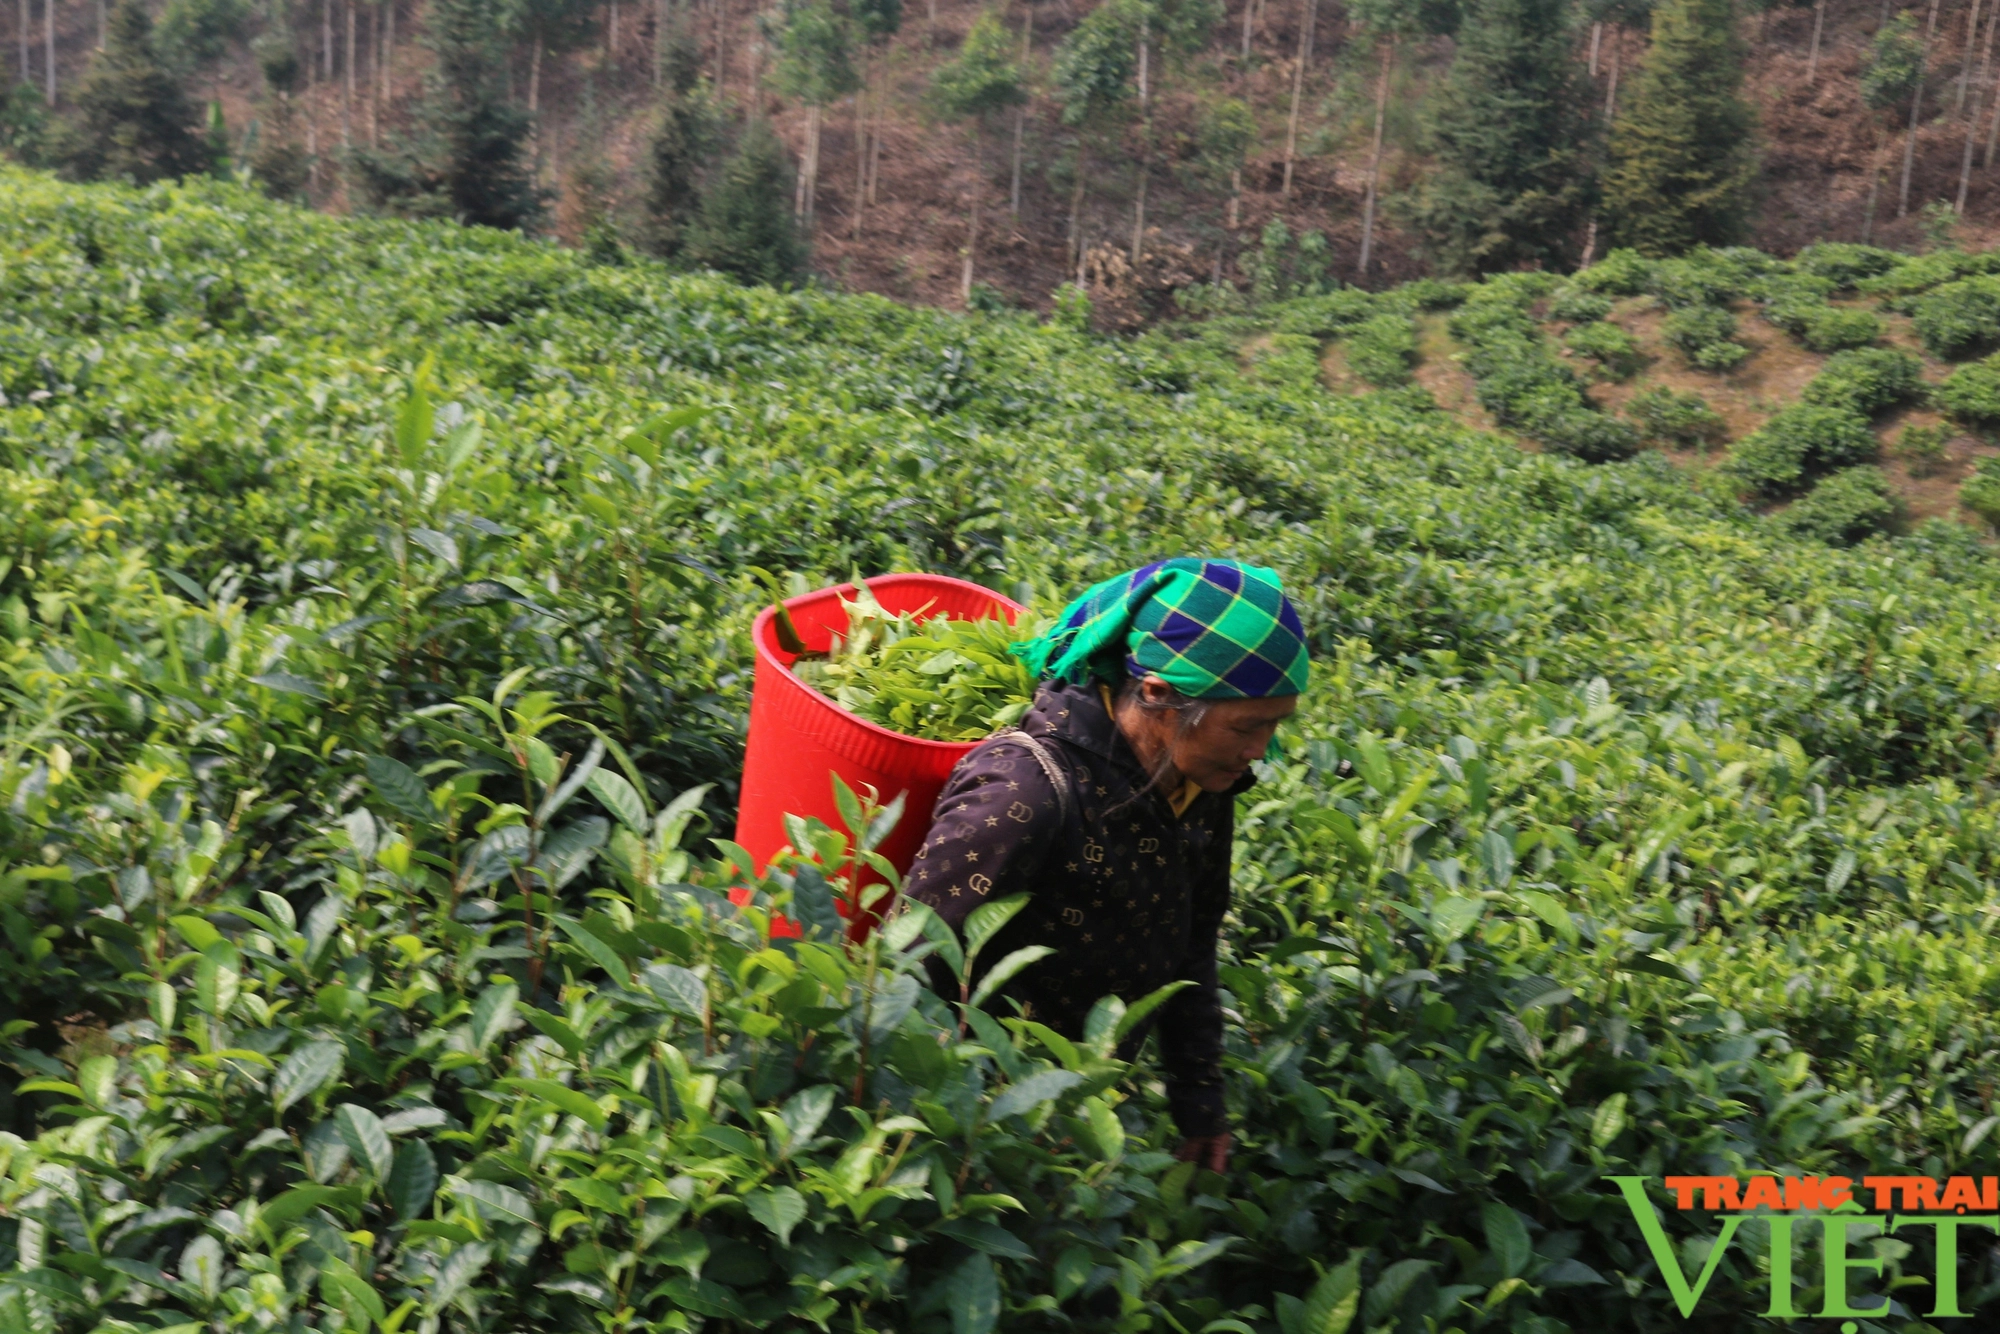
<point x="1129" y="894"/>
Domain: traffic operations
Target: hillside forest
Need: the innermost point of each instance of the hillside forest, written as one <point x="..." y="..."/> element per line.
<point x="1156" y="151"/>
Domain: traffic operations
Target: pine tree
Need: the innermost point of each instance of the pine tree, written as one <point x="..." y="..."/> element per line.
<point x="682" y="148"/>
<point x="24" y="126"/>
<point x="277" y="159"/>
<point x="1682" y="160"/>
<point x="747" y="229"/>
<point x="1511" y="134"/>
<point x="468" y="159"/>
<point x="485" y="172"/>
<point x="132" y="118"/>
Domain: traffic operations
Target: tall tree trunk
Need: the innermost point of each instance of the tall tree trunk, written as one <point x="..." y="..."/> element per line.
<point x="1993" y="129"/>
<point x="1235" y="198"/>
<point x="722" y="56"/>
<point x="1972" y="121"/>
<point x="103" y="23"/>
<point x="611" y="35"/>
<point x="1139" y="204"/>
<point x="535" y="76"/>
<point x="1145" y="139"/>
<point x="1874" y="184"/>
<point x="1014" y="172"/>
<point x="1965" y="74"/>
<point x="1589" y="245"/>
<point x="49" y="47"/>
<point x="1020" y="117"/>
<point x="874" y="161"/>
<point x="1298" y="89"/>
<point x="1145" y="53"/>
<point x="1611" y="84"/>
<point x="1812" y="60"/>
<point x="972" y="227"/>
<point x="27" y="72"/>
<point x="1916" y="107"/>
<point x="1249" y="10"/>
<point x="326" y="40"/>
<point x="860" y="151"/>
<point x="372" y="43"/>
<point x="1596" y="41"/>
<point x="388" y="52"/>
<point x="1076" y="214"/>
<point x="1375" y="159"/>
<point x="809" y="178"/>
<point x="347" y="74"/>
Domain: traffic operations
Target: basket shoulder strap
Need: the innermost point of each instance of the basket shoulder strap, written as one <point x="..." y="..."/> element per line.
<point x="1052" y="769"/>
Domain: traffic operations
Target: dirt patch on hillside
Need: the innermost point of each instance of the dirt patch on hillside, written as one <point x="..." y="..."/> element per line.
<point x="1439" y="371"/>
<point x="1773" y="376"/>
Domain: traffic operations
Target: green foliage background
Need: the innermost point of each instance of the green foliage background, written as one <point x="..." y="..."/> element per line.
<point x="373" y="601"/>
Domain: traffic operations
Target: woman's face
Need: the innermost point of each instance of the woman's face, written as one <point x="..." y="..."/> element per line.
<point x="1218" y="750"/>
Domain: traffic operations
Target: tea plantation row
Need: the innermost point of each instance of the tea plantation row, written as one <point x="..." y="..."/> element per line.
<point x="373" y="603"/>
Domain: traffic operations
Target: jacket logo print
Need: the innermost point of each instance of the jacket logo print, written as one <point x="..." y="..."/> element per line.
<point x="1072" y="916"/>
<point x="1093" y="851"/>
<point x="1021" y="812"/>
<point x="1149" y="845"/>
<point x="979" y="884"/>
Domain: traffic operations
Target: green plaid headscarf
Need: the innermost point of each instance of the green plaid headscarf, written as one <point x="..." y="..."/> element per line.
<point x="1211" y="629"/>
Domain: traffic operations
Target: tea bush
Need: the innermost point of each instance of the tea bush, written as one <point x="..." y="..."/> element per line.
<point x="1798" y="444"/>
<point x="1703" y="333"/>
<point x="1844" y="508"/>
<point x="1578" y="305"/>
<point x="1613" y="349"/>
<point x="1981" y="492"/>
<point x="1845" y="264"/>
<point x="1697" y="280"/>
<point x="1867" y="380"/>
<point x="1382" y="349"/>
<point x="1924" y="448"/>
<point x="1790" y="300"/>
<point x="1958" y="319"/>
<point x="1668" y="417"/>
<point x="1521" y="383"/>
<point x="1619" y="273"/>
<point x="373" y="622"/>
<point x="1971" y="394"/>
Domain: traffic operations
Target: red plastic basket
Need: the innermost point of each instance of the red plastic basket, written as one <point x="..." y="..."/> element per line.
<point x="799" y="738"/>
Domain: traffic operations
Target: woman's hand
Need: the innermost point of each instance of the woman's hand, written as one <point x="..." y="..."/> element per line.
<point x="1209" y="1151"/>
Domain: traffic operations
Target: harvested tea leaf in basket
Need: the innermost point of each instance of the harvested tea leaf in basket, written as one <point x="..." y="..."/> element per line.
<point x="937" y="678"/>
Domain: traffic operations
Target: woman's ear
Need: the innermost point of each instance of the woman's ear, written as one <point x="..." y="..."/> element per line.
<point x="1154" y="691"/>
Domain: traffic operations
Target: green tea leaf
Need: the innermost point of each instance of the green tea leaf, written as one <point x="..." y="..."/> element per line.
<point x="397" y="784"/>
<point x="304" y="1071"/>
<point x="1506" y="1238"/>
<point x="412" y="1180"/>
<point x="361" y="1130"/>
<point x="972" y="1295"/>
<point x="778" y="1208"/>
<point x="1032" y="1092"/>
